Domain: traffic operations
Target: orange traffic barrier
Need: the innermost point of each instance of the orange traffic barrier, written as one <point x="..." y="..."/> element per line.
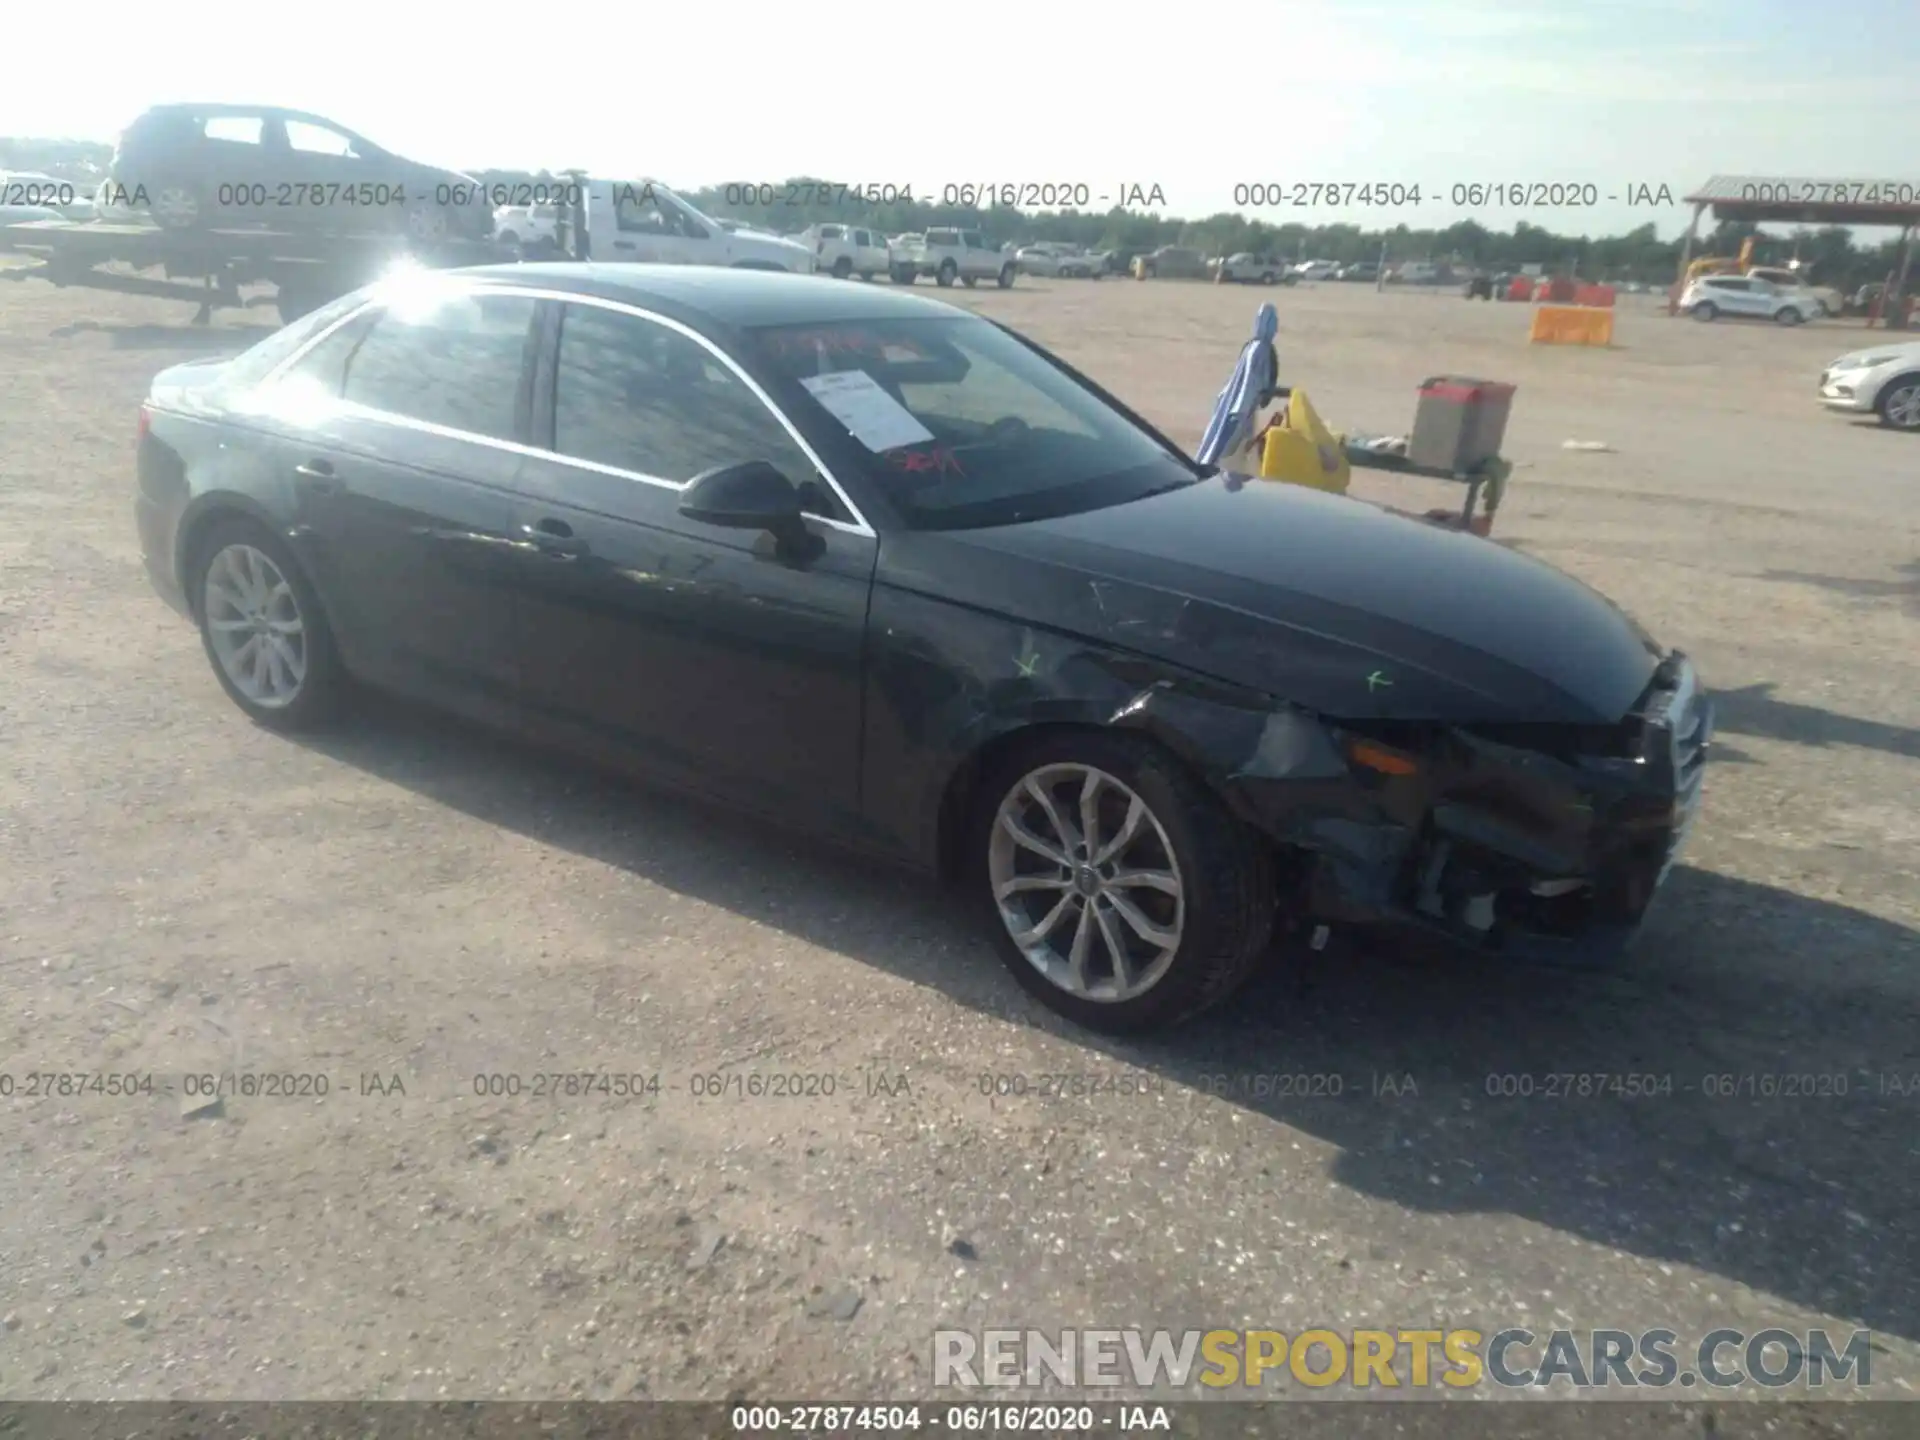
<point x="1572" y="325"/>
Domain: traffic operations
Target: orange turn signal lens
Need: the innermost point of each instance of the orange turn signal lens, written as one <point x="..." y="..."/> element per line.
<point x="1379" y="757"/>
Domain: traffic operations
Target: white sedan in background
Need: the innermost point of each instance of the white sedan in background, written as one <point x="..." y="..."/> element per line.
<point x="1049" y="259"/>
<point x="1884" y="381"/>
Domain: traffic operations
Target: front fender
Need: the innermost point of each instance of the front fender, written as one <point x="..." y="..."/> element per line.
<point x="945" y="682"/>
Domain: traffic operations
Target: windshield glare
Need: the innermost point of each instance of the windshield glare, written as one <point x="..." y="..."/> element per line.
<point x="964" y="426"/>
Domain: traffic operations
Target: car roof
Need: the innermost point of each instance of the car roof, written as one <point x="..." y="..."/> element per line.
<point x="278" y="112"/>
<point x="744" y="299"/>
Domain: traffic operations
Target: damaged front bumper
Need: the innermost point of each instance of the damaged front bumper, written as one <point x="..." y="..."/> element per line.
<point x="1543" y="842"/>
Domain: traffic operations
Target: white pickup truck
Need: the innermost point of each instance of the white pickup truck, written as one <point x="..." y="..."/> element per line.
<point x="845" y="250"/>
<point x="645" y="222"/>
<point x="949" y="255"/>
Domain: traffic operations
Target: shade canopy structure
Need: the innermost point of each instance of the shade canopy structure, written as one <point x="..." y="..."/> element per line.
<point x="1803" y="200"/>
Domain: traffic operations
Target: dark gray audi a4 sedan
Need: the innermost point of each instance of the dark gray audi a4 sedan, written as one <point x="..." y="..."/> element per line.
<point x="865" y="564"/>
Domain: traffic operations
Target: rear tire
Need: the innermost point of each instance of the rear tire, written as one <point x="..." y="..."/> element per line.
<point x="945" y="276"/>
<point x="842" y="268"/>
<point x="1006" y="277"/>
<point x="1218" y="914"/>
<point x="1899" y="404"/>
<point x="245" y="587"/>
<point x="904" y="275"/>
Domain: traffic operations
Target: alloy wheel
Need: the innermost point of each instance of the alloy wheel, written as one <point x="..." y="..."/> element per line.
<point x="175" y="207"/>
<point x="427" y="223"/>
<point x="1903" y="406"/>
<point x="1086" y="882"/>
<point x="254" y="624"/>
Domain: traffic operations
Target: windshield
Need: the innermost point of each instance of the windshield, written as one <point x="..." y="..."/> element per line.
<point x="963" y="426"/>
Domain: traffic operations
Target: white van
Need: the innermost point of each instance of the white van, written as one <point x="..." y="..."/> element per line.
<point x="645" y="222"/>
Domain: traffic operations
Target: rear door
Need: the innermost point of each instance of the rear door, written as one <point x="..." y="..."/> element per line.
<point x="235" y="172"/>
<point x="399" y="440"/>
<point x="696" y="652"/>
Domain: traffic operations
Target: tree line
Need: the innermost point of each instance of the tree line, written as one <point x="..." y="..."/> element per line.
<point x="1832" y="254"/>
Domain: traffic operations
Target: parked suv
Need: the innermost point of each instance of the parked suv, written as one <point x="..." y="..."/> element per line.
<point x="192" y="167"/>
<point x="1175" y="262"/>
<point x="1245" y="269"/>
<point x="949" y="255"/>
<point x="844" y="250"/>
<point x="1712" y="296"/>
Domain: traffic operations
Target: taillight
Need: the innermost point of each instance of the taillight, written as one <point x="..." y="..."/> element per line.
<point x="146" y="423"/>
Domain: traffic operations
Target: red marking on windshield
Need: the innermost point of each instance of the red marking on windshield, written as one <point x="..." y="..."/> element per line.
<point x="926" y="462"/>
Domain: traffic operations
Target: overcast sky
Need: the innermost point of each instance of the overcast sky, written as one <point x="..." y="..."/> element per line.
<point x="1616" y="93"/>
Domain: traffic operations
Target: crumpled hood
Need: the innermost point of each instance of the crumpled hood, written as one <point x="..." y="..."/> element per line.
<point x="1328" y="602"/>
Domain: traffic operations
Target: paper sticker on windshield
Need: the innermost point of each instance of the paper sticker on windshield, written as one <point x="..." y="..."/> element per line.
<point x="877" y="420"/>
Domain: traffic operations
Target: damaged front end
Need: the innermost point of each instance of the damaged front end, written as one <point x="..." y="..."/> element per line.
<point x="1540" y="841"/>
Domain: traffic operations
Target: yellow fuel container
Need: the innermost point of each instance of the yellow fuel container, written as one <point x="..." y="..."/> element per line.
<point x="1298" y="449"/>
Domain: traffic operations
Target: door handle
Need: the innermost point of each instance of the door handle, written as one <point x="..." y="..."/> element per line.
<point x="555" y="538"/>
<point x="625" y="245"/>
<point x="317" y="476"/>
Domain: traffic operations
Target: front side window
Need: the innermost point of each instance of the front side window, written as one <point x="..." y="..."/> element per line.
<point x="962" y="425"/>
<point x="457" y="361"/>
<point x="638" y="396"/>
<point x="645" y="212"/>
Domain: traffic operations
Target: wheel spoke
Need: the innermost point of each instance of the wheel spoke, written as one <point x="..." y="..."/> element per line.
<point x="1090" y="812"/>
<point x="1046" y="924"/>
<point x="1143" y="927"/>
<point x="1116" y="947"/>
<point x="1162" y="880"/>
<point x="1136" y="813"/>
<point x="1021" y="883"/>
<point x="1062" y="827"/>
<point x="289" y="657"/>
<point x="1082" y="943"/>
<point x="219" y="593"/>
<point x="1024" y="837"/>
<point x="227" y="627"/>
<point x="262" y="669"/>
<point x="237" y="583"/>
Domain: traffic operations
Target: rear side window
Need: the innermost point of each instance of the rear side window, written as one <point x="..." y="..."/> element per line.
<point x="831" y="232"/>
<point x="234" y="129"/>
<point x="459" y="363"/>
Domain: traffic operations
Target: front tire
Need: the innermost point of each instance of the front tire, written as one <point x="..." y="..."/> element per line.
<point x="263" y="629"/>
<point x="944" y="277"/>
<point x="1006" y="277"/>
<point x="1705" y="310"/>
<point x="1899" y="404"/>
<point x="1787" y="315"/>
<point x="842" y="268"/>
<point x="1164" y="914"/>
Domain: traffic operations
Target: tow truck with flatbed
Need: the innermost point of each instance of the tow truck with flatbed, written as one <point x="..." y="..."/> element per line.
<point x="209" y="267"/>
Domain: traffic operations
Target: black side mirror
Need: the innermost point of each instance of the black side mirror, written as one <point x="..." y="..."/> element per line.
<point x="751" y="495"/>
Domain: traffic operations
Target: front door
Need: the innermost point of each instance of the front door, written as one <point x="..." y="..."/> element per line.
<point x="696" y="652"/>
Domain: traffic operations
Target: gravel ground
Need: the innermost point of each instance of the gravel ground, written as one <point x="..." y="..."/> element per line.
<point x="407" y="904"/>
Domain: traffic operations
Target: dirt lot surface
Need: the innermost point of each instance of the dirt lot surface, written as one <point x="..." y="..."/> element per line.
<point x="409" y="904"/>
